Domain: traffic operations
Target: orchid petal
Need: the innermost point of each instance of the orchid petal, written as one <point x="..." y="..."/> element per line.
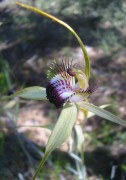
<point x="32" y="93"/>
<point x="86" y="58"/>
<point x="61" y="131"/>
<point x="103" y="113"/>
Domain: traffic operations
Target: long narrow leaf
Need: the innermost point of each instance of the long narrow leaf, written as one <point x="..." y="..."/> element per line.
<point x="61" y="132"/>
<point x="33" y="93"/>
<point x="103" y="113"/>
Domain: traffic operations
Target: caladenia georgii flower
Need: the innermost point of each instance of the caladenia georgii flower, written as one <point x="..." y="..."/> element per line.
<point x="67" y="88"/>
<point x="67" y="84"/>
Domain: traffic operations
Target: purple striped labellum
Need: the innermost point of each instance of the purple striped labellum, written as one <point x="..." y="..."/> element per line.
<point x="66" y="84"/>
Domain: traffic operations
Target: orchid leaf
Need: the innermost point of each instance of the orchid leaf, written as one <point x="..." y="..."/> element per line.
<point x="61" y="131"/>
<point x="103" y="113"/>
<point x="86" y="58"/>
<point x="32" y="93"/>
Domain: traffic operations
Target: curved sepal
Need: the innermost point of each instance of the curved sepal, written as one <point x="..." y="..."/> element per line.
<point x="103" y="113"/>
<point x="61" y="131"/>
<point x="32" y="93"/>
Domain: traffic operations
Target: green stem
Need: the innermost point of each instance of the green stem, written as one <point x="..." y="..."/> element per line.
<point x="87" y="64"/>
<point x="41" y="164"/>
<point x="82" y="153"/>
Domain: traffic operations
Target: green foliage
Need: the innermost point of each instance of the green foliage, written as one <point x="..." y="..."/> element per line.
<point x="1" y="143"/>
<point x="57" y="170"/>
<point x="5" y="80"/>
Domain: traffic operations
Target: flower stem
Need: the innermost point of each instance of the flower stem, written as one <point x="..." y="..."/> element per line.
<point x="40" y="165"/>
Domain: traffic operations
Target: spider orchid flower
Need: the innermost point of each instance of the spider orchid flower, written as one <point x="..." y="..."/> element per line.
<point x="67" y="84"/>
<point x="68" y="88"/>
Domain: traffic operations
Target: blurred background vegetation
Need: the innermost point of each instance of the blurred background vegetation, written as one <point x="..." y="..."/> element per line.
<point x="28" y="44"/>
